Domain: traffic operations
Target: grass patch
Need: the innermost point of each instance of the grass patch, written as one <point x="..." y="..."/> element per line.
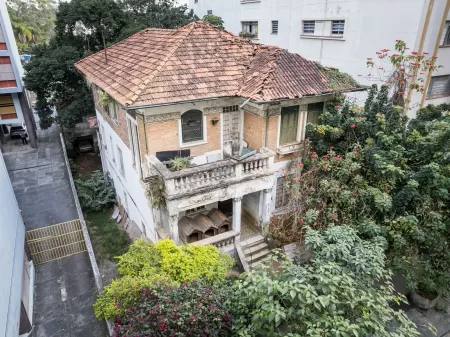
<point x="108" y="239"/>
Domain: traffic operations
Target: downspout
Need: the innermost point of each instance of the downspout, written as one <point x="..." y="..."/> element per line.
<point x="420" y="49"/>
<point x="266" y="131"/>
<point x="435" y="51"/>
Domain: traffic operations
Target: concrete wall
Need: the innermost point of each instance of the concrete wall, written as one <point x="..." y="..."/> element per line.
<point x="369" y="26"/>
<point x="12" y="238"/>
<point x="129" y="188"/>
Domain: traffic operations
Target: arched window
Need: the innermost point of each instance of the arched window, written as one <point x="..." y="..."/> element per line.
<point x="192" y="126"/>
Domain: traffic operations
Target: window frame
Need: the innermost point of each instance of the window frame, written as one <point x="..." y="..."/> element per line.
<point x="250" y="24"/>
<point x="337" y="32"/>
<point x="204" y="138"/>
<point x="313" y="22"/>
<point x="429" y="96"/>
<point x="120" y="160"/>
<point x="275" y="26"/>
<point x="446" y="40"/>
<point x="282" y="142"/>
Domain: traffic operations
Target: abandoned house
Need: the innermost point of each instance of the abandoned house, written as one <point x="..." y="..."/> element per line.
<point x="196" y="127"/>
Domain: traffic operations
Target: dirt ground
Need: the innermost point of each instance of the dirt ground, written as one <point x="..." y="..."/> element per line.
<point x="86" y="163"/>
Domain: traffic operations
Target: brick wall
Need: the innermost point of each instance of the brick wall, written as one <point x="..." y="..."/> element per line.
<point x="120" y="126"/>
<point x="254" y="130"/>
<point x="164" y="136"/>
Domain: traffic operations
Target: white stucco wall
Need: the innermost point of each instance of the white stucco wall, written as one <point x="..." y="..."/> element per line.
<point x="12" y="236"/>
<point x="369" y="27"/>
<point x="129" y="188"/>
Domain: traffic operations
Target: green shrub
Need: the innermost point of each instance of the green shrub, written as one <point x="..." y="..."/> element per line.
<point x="146" y="265"/>
<point x="344" y="291"/>
<point x="95" y="192"/>
<point x="179" y="163"/>
<point x="194" y="309"/>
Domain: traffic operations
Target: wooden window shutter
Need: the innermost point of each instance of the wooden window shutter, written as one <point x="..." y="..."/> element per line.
<point x="289" y="124"/>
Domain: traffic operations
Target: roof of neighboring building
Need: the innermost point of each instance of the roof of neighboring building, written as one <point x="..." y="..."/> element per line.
<point x="199" y="61"/>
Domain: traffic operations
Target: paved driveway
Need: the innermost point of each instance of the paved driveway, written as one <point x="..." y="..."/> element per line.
<point x="65" y="289"/>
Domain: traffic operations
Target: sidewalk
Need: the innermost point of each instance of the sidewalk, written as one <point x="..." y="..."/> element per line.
<point x="65" y="289"/>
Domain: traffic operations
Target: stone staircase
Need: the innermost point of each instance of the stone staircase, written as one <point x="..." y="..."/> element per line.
<point x="256" y="250"/>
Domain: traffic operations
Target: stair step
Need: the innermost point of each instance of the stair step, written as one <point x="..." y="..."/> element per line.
<point x="254" y="240"/>
<point x="254" y="257"/>
<point x="254" y="248"/>
<point x="260" y="261"/>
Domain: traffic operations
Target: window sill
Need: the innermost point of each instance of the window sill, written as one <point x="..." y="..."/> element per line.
<point x="288" y="148"/>
<point x="320" y="37"/>
<point x="444" y="46"/>
<point x="192" y="144"/>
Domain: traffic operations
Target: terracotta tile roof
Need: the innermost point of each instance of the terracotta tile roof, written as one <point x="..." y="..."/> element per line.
<point x="198" y="61"/>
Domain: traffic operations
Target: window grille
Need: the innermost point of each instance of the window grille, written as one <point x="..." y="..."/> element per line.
<point x="275" y="27"/>
<point x="337" y="27"/>
<point x="309" y="27"/>
<point x="231" y="108"/>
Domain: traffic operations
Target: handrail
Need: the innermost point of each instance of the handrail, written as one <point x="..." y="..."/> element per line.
<point x="241" y="256"/>
<point x="219" y="240"/>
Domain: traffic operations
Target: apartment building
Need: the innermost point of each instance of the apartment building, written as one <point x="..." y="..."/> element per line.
<point x="234" y="110"/>
<point x="14" y="103"/>
<point x="16" y="283"/>
<point x="344" y="33"/>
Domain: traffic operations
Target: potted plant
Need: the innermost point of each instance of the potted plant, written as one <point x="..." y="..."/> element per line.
<point x="179" y="163"/>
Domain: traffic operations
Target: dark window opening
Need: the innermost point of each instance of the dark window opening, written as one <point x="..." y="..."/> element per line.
<point x="192" y="126"/>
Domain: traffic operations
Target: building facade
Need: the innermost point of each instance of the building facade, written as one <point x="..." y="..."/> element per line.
<point x="196" y="126"/>
<point x="14" y="103"/>
<point x="16" y="283"/>
<point x="343" y="34"/>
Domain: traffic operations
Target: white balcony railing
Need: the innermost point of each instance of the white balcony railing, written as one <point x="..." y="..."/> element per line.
<point x="220" y="240"/>
<point x="211" y="175"/>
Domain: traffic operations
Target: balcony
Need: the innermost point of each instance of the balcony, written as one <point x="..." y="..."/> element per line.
<point x="219" y="174"/>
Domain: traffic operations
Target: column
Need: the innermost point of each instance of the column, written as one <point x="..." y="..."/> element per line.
<point x="173" y="227"/>
<point x="266" y="206"/>
<point x="237" y="214"/>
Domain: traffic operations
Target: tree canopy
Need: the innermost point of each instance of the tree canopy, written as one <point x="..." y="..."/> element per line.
<point x="32" y="22"/>
<point x="81" y="28"/>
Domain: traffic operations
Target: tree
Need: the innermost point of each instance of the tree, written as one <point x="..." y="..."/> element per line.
<point x="405" y="71"/>
<point x="194" y="309"/>
<point x="214" y="20"/>
<point x="51" y="75"/>
<point x="32" y="21"/>
<point x="83" y="27"/>
<point x="146" y="266"/>
<point x="345" y="290"/>
<point x="154" y="13"/>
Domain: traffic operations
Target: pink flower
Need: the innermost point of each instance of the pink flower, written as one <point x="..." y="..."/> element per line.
<point x="353" y="126"/>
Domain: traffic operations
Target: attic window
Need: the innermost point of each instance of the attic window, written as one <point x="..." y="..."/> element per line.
<point x="275" y="27"/>
<point x="231" y="108"/>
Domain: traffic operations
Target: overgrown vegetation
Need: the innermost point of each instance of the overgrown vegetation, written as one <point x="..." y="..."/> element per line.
<point x="108" y="239"/>
<point x="345" y="290"/>
<point x="370" y="169"/>
<point x="164" y="264"/>
<point x="179" y="163"/>
<point x="96" y="192"/>
<point x="195" y="309"/>
<point x="81" y="28"/>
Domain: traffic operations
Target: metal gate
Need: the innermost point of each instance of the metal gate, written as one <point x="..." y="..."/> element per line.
<point x="56" y="241"/>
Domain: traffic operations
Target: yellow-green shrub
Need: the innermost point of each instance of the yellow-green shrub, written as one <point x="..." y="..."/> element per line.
<point x="146" y="265"/>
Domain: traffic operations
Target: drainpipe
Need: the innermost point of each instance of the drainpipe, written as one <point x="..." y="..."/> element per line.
<point x="266" y="131"/>
<point x="420" y="49"/>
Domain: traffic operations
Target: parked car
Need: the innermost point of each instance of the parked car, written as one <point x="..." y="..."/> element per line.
<point x="16" y="130"/>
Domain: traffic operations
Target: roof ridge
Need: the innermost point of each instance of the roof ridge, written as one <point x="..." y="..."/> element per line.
<point x="163" y="63"/>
